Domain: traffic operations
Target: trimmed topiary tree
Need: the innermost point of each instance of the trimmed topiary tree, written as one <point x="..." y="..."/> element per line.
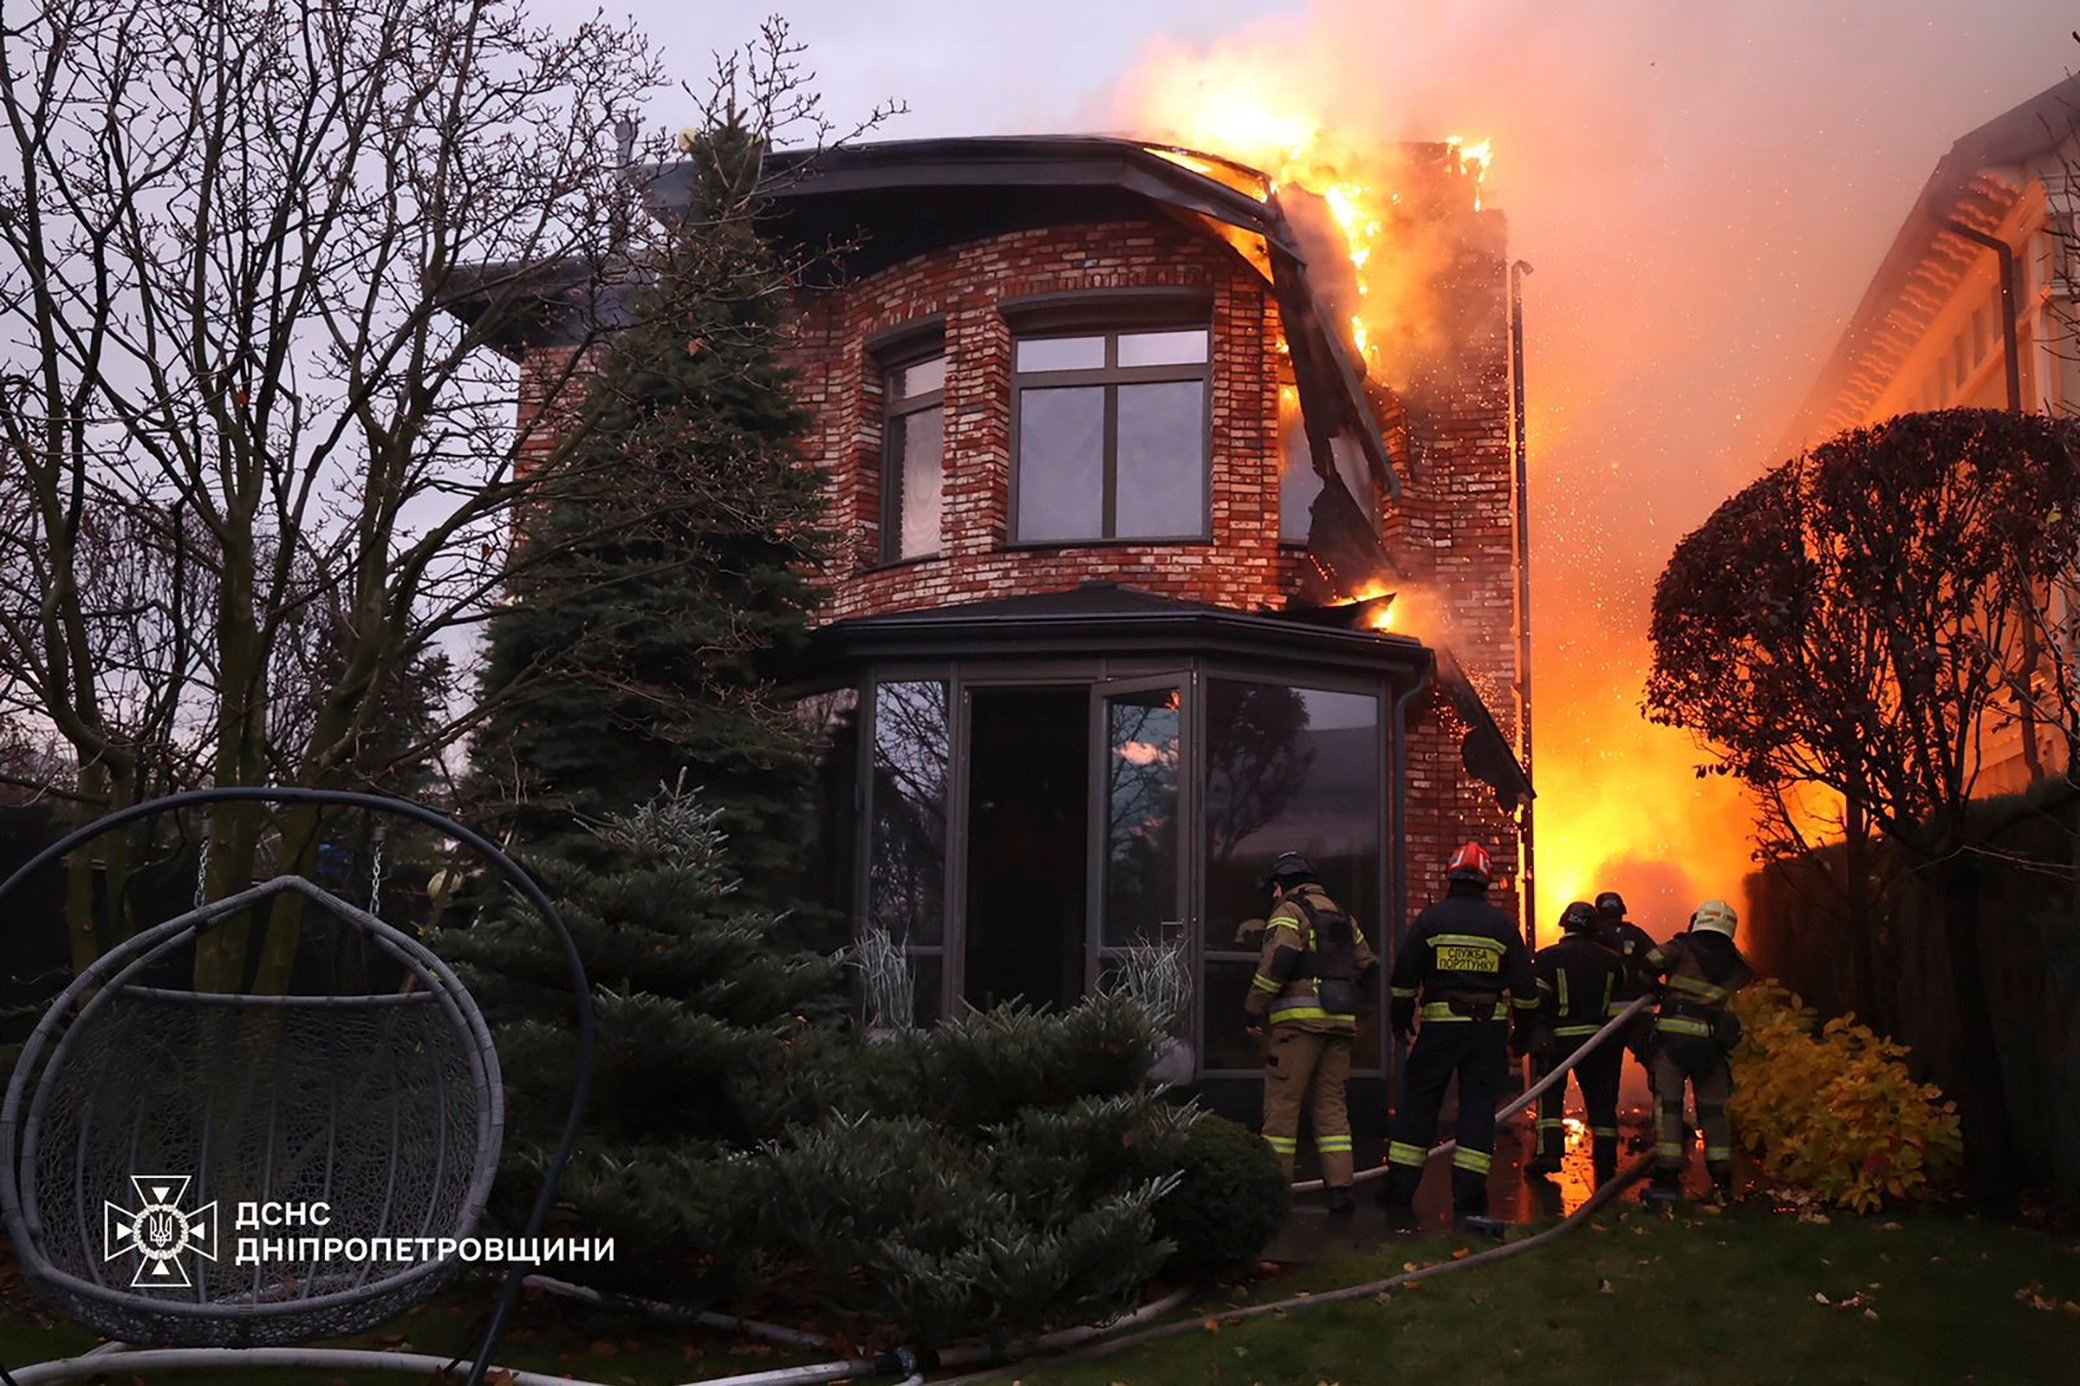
<point x="1229" y="1202"/>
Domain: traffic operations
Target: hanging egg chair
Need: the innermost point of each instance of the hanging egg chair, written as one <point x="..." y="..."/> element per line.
<point x="187" y="1168"/>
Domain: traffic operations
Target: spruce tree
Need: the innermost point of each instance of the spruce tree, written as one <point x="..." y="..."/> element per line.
<point x="703" y="1004"/>
<point x="666" y="582"/>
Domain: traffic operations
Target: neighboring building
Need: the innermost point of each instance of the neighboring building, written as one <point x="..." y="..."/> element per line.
<point x="1109" y="487"/>
<point x="1973" y="306"/>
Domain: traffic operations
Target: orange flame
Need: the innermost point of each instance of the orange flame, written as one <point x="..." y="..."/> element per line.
<point x="1233" y="109"/>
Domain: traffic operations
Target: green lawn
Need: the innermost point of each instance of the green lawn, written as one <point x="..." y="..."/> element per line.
<point x="1723" y="1300"/>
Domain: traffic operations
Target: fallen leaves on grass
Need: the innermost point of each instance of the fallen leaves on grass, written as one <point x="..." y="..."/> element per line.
<point x="2035" y="1297"/>
<point x="1604" y="1287"/>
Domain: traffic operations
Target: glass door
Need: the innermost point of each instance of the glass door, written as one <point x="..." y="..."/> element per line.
<point x="1140" y="892"/>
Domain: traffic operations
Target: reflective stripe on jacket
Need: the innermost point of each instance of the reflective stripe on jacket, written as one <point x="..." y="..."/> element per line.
<point x="1578" y="978"/>
<point x="1284" y="989"/>
<point x="1700" y="972"/>
<point x="1463" y="947"/>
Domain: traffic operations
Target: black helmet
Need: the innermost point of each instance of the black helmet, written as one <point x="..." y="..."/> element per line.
<point x="1287" y="870"/>
<point x="1578" y="916"/>
<point x="1611" y="905"/>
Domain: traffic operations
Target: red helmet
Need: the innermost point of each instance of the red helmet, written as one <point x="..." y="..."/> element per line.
<point x="1471" y="863"/>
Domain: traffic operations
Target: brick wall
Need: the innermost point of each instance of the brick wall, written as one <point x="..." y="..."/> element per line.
<point x="1242" y="566"/>
<point x="1452" y="527"/>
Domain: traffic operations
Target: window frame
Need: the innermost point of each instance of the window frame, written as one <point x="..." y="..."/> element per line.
<point x="914" y="350"/>
<point x="1110" y="326"/>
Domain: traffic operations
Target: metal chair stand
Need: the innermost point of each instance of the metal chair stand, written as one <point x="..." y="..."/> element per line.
<point x="183" y="1169"/>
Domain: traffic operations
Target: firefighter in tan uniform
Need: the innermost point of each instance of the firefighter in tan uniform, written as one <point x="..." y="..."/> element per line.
<point x="1694" y="1033"/>
<point x="1306" y="987"/>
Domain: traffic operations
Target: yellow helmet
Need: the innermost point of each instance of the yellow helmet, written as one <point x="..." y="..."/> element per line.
<point x="1715" y="917"/>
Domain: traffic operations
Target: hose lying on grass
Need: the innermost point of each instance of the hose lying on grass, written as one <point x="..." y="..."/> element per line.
<point x="1086" y="1341"/>
<point x="110" y="1357"/>
<point x="674" y="1313"/>
<point x="1530" y="1094"/>
<point x="1230" y="1317"/>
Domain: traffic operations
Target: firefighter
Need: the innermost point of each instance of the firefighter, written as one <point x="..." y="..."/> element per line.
<point x="1699" y="973"/>
<point x="1460" y="958"/>
<point x="1307" y="985"/>
<point x="1632" y="943"/>
<point x="1577" y="978"/>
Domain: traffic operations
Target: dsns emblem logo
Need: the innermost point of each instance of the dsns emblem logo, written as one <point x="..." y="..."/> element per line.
<point x="159" y="1232"/>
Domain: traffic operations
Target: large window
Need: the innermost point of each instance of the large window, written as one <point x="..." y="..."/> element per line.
<point x="1111" y="436"/>
<point x="913" y="457"/>
<point x="906" y="873"/>
<point x="1287" y="770"/>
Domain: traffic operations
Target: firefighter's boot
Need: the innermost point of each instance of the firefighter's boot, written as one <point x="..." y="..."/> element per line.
<point x="1481" y="1225"/>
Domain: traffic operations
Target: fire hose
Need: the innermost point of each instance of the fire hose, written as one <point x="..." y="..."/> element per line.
<point x="1230" y="1317"/>
<point x="1076" y="1343"/>
<point x="1530" y="1095"/>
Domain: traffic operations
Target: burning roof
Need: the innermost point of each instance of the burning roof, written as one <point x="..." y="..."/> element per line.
<point x="891" y="200"/>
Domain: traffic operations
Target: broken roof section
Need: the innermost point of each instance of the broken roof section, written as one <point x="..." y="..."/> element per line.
<point x="886" y="202"/>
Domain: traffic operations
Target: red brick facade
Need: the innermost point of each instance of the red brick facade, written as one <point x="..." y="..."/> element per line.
<point x="1452" y="529"/>
<point x="1455" y="527"/>
<point x="1242" y="566"/>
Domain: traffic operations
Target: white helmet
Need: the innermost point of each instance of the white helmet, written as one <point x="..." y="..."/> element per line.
<point x="1715" y="917"/>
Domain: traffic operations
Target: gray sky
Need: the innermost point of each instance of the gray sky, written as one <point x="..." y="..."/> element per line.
<point x="1704" y="187"/>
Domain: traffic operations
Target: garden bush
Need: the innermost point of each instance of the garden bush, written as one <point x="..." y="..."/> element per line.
<point x="1230" y="1199"/>
<point x="1834" y="1110"/>
<point x="987" y="1177"/>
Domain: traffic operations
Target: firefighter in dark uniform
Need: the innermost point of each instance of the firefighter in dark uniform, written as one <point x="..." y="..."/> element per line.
<point x="1693" y="1034"/>
<point x="1577" y="978"/>
<point x="1307" y="986"/>
<point x="1631" y="943"/>
<point x="1460" y="958"/>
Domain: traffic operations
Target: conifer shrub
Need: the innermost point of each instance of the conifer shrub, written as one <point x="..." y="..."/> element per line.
<point x="1834" y="1109"/>
<point x="1229" y="1201"/>
<point x="987" y="1177"/>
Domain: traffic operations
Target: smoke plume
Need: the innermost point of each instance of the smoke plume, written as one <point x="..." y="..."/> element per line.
<point x="1703" y="190"/>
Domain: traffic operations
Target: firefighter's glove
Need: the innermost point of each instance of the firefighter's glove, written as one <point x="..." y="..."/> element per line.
<point x="1402" y="1015"/>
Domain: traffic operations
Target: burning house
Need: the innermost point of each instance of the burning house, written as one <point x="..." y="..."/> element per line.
<point x="1150" y="572"/>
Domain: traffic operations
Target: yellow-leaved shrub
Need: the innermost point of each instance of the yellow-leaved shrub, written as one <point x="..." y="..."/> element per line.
<point x="1832" y="1108"/>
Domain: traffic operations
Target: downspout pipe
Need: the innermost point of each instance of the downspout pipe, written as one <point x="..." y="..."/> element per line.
<point x="1527" y="884"/>
<point x="2032" y="759"/>
<point x="2009" y="306"/>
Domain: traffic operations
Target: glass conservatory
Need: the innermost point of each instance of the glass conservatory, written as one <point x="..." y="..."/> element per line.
<point x="1019" y="789"/>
